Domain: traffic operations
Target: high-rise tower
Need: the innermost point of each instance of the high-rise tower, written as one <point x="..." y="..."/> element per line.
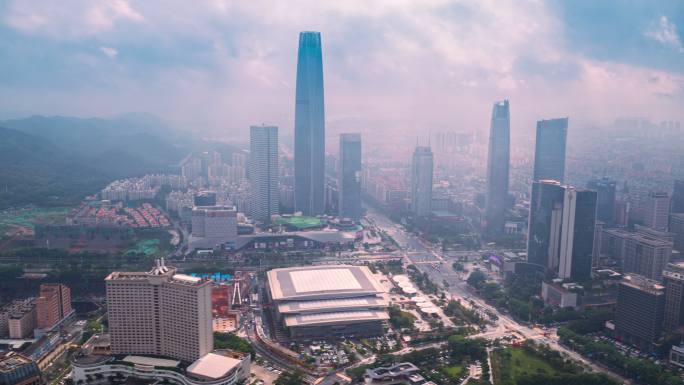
<point x="562" y="229"/>
<point x="309" y="151"/>
<point x="577" y="236"/>
<point x="421" y="181"/>
<point x="350" y="176"/>
<point x="263" y="172"/>
<point x="159" y="313"/>
<point x="678" y="197"/>
<point x="549" y="153"/>
<point x="546" y="218"/>
<point x="497" y="169"/>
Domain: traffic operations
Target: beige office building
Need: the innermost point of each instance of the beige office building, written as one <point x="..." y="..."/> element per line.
<point x="160" y="313"/>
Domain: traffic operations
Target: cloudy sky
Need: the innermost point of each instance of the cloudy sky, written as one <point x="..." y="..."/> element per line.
<point x="399" y="65"/>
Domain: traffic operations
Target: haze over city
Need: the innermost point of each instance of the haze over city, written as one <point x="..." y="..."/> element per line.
<point x="396" y="67"/>
<point x="341" y="193"/>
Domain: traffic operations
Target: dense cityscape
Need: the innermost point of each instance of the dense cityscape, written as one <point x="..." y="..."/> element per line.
<point x="134" y="253"/>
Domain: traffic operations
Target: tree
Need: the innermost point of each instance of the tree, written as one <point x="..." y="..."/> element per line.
<point x="476" y="278"/>
<point x="287" y="378"/>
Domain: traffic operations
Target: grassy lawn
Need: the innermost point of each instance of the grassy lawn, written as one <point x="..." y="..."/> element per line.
<point x="26" y="217"/>
<point x="511" y="363"/>
<point x="454" y="371"/>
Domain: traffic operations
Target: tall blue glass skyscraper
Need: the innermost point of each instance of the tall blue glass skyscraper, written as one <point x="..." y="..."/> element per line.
<point x="309" y="151"/>
<point x="549" y="153"/>
<point x="497" y="169"/>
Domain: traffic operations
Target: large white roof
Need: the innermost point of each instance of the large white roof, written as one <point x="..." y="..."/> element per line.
<point x="306" y="281"/>
<point x="213" y="366"/>
<point x="322" y="282"/>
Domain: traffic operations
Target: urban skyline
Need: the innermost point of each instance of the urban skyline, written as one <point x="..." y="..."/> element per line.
<point x="372" y="231"/>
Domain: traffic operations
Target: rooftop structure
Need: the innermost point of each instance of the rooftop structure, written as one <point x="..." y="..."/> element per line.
<point x="402" y="373"/>
<point x="17" y="369"/>
<point x="328" y="301"/>
<point x="322" y="282"/>
<point x="214" y="366"/>
<point x="217" y="368"/>
<point x="299" y="222"/>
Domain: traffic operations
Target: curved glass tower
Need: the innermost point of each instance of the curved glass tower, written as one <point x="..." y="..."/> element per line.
<point x="309" y="151"/>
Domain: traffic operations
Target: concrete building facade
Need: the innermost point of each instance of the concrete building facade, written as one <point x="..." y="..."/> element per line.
<point x="159" y="312"/>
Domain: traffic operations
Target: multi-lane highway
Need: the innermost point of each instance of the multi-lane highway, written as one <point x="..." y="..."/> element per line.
<point x="431" y="261"/>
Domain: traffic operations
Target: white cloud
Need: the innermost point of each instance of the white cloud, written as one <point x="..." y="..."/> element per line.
<point x="110" y="52"/>
<point x="392" y="65"/>
<point x="665" y="32"/>
<point x="69" y="19"/>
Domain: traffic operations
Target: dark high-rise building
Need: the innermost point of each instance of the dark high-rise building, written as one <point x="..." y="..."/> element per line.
<point x="546" y="217"/>
<point x="678" y="197"/>
<point x="421" y="181"/>
<point x="673" y="280"/>
<point x="350" y="176"/>
<point x="577" y="234"/>
<point x="677" y="228"/>
<point x="309" y="151"/>
<point x="549" y="153"/>
<point x="562" y="229"/>
<point x="263" y="173"/>
<point x="640" y="311"/>
<point x="605" y="205"/>
<point x="497" y="169"/>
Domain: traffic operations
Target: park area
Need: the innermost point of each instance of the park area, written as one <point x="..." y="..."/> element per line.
<point x="27" y="217"/>
<point x="510" y="364"/>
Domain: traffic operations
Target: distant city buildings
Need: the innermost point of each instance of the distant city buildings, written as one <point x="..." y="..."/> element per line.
<point x="421" y="181"/>
<point x="213" y="227"/>
<point x="264" y="172"/>
<point x="350" y="176"/>
<point x="656" y="210"/>
<point x="561" y="229"/>
<point x="498" y="163"/>
<point x="145" y="188"/>
<point x="678" y="197"/>
<point x="549" y="154"/>
<point x="309" y="151"/>
<point x="677" y="228"/>
<point x="160" y="312"/>
<point x="605" y="201"/>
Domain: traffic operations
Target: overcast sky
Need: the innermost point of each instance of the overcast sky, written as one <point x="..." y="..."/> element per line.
<point x="405" y="66"/>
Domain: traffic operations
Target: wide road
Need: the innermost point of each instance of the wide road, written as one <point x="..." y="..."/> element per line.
<point x="432" y="262"/>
